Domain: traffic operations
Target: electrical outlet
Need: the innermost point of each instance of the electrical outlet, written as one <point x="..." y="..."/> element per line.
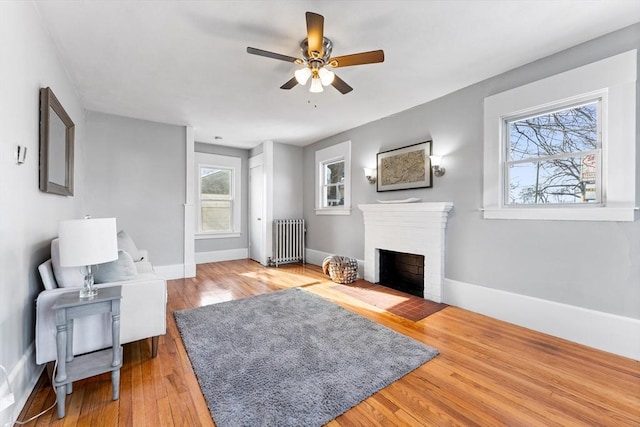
<point x="6" y="401"/>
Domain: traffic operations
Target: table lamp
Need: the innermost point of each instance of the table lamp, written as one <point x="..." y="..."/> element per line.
<point x="85" y="243"/>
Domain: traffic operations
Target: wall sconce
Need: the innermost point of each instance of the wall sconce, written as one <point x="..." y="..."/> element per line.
<point x="370" y="174"/>
<point x="436" y="162"/>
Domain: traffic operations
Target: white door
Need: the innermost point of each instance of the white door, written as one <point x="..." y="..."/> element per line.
<point x="256" y="214"/>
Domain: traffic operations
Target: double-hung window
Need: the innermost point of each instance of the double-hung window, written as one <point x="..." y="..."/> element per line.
<point x="333" y="183"/>
<point x="218" y="198"/>
<point x="333" y="180"/>
<point x="564" y="147"/>
<point x="554" y="157"/>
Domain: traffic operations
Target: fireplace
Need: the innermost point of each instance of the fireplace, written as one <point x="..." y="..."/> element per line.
<point x="411" y="228"/>
<point x="403" y="272"/>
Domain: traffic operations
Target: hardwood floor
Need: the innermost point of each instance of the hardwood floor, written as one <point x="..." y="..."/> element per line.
<point x="489" y="373"/>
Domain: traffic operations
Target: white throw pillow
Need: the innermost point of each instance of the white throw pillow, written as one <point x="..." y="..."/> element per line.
<point x="46" y="274"/>
<point x="125" y="242"/>
<point x="67" y="277"/>
<point x="115" y="271"/>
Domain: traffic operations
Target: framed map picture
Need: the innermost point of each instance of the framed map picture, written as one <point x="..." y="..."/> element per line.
<point x="405" y="168"/>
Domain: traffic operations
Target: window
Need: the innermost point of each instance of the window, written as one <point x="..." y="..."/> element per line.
<point x="215" y="199"/>
<point x="333" y="186"/>
<point x="554" y="157"/>
<point x="564" y="148"/>
<point x="218" y="191"/>
<point x="333" y="171"/>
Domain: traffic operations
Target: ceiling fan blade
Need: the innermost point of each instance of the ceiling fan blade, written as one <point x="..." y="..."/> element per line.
<point x="358" y="59"/>
<point x="260" y="52"/>
<point x="341" y="85"/>
<point x="315" y="32"/>
<point x="290" y="84"/>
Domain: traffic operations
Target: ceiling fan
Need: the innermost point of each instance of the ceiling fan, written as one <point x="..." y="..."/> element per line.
<point x="316" y="57"/>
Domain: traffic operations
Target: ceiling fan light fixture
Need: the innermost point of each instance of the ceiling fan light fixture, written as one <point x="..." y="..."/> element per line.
<point x="326" y="76"/>
<point x="302" y="75"/>
<point x="316" y="85"/>
<point x="316" y="53"/>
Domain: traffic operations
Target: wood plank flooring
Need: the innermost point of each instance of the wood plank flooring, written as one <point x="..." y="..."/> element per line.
<point x="489" y="373"/>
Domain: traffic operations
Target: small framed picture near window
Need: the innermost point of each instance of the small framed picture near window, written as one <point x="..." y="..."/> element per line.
<point x="405" y="168"/>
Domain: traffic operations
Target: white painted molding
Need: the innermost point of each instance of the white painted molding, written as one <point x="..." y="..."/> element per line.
<point x="224" y="255"/>
<point x="612" y="333"/>
<point x="336" y="152"/>
<point x="23" y="378"/>
<point x="171" y="272"/>
<point x="189" y="208"/>
<point x="230" y="163"/>
<point x="615" y="77"/>
<point x="257" y="161"/>
<point x="267" y="151"/>
<point x="315" y="257"/>
<point x="412" y="228"/>
<point x="190" y="270"/>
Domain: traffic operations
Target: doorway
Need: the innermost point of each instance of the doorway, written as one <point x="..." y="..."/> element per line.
<point x="257" y="250"/>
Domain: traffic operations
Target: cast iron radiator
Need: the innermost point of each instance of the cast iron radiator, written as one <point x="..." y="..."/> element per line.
<point x="288" y="241"/>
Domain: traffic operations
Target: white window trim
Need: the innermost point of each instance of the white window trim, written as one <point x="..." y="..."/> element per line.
<point x="612" y="78"/>
<point x="224" y="162"/>
<point x="340" y="151"/>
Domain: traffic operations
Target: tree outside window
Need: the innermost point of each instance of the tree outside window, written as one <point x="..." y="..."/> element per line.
<point x="333" y="180"/>
<point x="554" y="158"/>
<point x="333" y="187"/>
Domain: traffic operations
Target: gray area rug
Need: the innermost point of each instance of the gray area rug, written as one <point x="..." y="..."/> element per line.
<point x="291" y="358"/>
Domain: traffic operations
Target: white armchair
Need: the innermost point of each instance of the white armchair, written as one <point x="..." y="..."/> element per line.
<point x="142" y="310"/>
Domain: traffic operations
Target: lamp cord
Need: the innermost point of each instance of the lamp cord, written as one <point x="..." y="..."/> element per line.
<point x="53" y="375"/>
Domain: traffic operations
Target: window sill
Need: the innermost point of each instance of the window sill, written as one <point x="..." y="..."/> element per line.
<point x="344" y="211"/>
<point x="605" y="213"/>
<point x="203" y="236"/>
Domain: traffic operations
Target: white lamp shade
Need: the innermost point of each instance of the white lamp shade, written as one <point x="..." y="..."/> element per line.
<point x="87" y="241"/>
<point x="316" y="85"/>
<point x="326" y="76"/>
<point x="435" y="160"/>
<point x="302" y="75"/>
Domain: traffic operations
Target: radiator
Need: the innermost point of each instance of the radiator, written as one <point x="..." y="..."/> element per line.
<point x="288" y="241"/>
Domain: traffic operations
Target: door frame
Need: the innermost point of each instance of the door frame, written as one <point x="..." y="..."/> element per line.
<point x="254" y="162"/>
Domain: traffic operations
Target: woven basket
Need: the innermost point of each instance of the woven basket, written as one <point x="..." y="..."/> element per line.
<point x="341" y="269"/>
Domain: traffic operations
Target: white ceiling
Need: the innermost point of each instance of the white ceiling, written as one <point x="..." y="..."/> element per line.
<point x="185" y="62"/>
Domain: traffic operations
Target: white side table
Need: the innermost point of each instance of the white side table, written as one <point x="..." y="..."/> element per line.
<point x="70" y="306"/>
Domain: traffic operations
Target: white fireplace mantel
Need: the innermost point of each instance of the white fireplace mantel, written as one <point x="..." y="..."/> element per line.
<point x="415" y="228"/>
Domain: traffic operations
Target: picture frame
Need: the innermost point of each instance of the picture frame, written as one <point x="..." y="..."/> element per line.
<point x="57" y="132"/>
<point x="405" y="168"/>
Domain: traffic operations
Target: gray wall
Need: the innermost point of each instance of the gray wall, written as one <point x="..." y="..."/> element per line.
<point x="287" y="185"/>
<point x="209" y="245"/>
<point x="258" y="149"/>
<point x="595" y="265"/>
<point x="28" y="217"/>
<point x="136" y="173"/>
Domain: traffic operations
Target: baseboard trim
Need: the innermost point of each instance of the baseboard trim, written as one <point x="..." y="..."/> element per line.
<point x="171" y="272"/>
<point x="315" y="257"/>
<point x="23" y="379"/>
<point x="604" y="331"/>
<point x="224" y="255"/>
<point x="190" y="270"/>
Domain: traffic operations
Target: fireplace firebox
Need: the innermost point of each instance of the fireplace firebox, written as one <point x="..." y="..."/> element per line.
<point x="402" y="271"/>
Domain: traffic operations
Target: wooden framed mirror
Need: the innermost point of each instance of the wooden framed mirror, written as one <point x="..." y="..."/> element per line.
<point x="56" y="146"/>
